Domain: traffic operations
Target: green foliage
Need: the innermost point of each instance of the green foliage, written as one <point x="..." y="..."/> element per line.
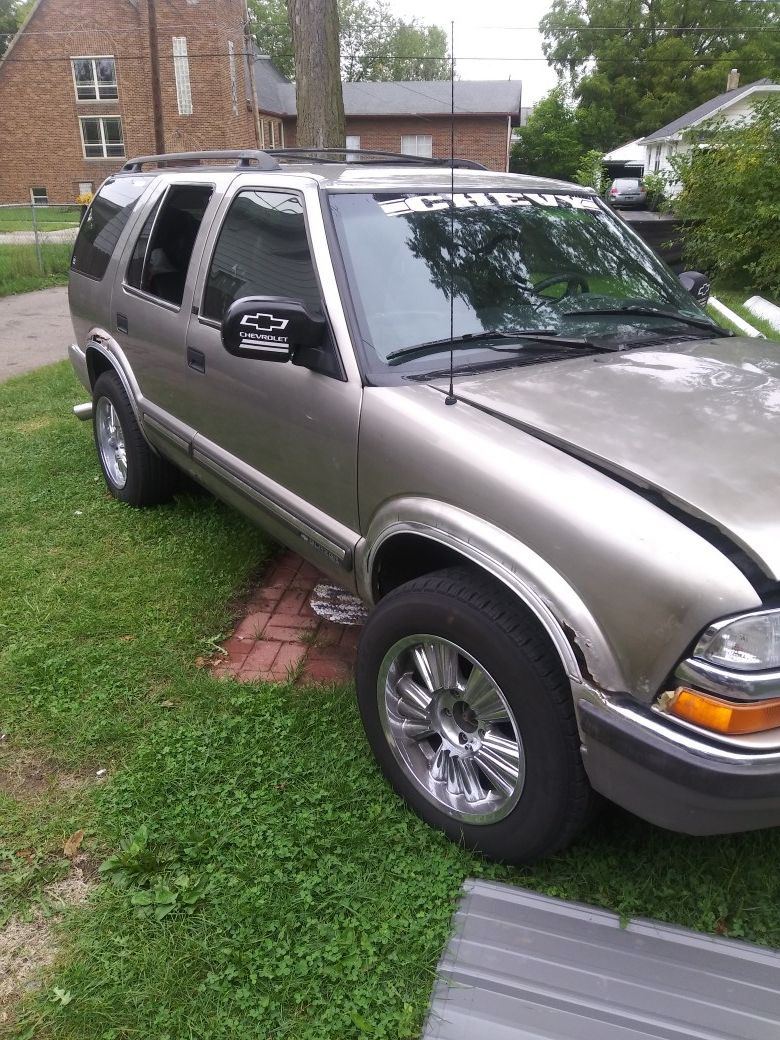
<point x="375" y="44"/>
<point x="549" y="144"/>
<point x="19" y="271"/>
<point x="656" y="189"/>
<point x="591" y="172"/>
<point x="731" y="193"/>
<point x="635" y="67"/>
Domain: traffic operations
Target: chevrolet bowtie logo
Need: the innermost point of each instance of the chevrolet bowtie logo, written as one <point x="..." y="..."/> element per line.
<point x="264" y="322"/>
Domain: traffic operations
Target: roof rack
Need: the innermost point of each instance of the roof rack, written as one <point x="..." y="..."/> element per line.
<point x="245" y="158"/>
<point x="328" y="155"/>
<point x="254" y="158"/>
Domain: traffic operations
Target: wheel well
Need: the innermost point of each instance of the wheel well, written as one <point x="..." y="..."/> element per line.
<point x="97" y="364"/>
<point x="407" y="556"/>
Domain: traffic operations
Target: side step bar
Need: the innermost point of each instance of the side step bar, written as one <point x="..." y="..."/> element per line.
<point x="83" y="411"/>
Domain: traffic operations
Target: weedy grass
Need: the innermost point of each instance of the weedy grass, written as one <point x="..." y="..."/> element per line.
<point x="260" y="880"/>
<point x="19" y="270"/>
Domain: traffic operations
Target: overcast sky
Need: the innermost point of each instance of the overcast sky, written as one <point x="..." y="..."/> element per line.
<point x="500" y="32"/>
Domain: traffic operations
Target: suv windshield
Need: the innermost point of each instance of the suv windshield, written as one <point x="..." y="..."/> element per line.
<point x="521" y="261"/>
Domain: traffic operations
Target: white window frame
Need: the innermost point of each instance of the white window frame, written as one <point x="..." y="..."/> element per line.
<point x="93" y="58"/>
<point x="42" y="198"/>
<point x="181" y="70"/>
<point x="104" y="144"/>
<point x="233" y="77"/>
<point x="352" y="141"/>
<point x="424" y="140"/>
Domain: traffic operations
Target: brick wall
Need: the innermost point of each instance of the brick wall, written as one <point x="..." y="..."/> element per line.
<point x="483" y="138"/>
<point x="39" y="113"/>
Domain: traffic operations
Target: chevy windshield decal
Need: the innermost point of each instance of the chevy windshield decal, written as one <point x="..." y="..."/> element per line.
<point x="484" y="199"/>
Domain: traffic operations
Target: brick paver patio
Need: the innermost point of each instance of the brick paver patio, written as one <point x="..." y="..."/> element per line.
<point x="282" y="637"/>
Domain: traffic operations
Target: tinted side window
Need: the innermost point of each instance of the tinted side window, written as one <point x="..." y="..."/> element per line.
<point x="262" y="250"/>
<point x="104" y="223"/>
<point x="168" y="251"/>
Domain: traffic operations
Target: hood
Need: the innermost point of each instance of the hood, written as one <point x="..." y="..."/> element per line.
<point x="697" y="421"/>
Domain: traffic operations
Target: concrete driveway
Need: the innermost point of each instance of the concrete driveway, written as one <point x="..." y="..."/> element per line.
<point x="35" y="330"/>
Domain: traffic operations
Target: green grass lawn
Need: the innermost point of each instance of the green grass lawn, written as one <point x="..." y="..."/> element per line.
<point x="307" y="902"/>
<point x="48" y="218"/>
<point x="19" y="270"/>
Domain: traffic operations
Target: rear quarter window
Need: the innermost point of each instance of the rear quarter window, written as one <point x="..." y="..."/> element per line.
<point x="103" y="224"/>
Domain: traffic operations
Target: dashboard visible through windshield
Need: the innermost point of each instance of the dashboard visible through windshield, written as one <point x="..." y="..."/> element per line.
<point x="521" y="261"/>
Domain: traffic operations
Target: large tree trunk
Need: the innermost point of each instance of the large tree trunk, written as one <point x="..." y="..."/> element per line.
<point x="315" y="31"/>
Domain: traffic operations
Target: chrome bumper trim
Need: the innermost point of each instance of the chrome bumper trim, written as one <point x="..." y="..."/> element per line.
<point x="743" y="686"/>
<point x="83" y="411"/>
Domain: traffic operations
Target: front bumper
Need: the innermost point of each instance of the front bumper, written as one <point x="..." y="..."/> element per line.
<point x="672" y="778"/>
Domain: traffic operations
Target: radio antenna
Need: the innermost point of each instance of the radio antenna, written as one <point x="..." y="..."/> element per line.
<point x="450" y="398"/>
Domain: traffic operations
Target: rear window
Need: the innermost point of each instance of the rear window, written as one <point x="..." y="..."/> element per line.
<point x="104" y="223"/>
<point x="626" y="182"/>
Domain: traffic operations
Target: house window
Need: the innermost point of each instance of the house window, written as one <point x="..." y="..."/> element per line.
<point x="233" y="80"/>
<point x="353" y="141"/>
<point x="39" y="196"/>
<point x="102" y="137"/>
<point x="95" y="78"/>
<point x="181" y="69"/>
<point x="86" y="187"/>
<point x="657" y="161"/>
<point x="417" y="144"/>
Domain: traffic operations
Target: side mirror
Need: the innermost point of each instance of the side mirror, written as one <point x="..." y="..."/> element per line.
<point x="269" y="328"/>
<point x="698" y="285"/>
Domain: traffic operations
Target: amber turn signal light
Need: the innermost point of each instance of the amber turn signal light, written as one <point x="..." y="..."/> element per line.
<point x="724" y="716"/>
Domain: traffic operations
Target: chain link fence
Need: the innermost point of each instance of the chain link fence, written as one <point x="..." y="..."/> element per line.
<point x="39" y="226"/>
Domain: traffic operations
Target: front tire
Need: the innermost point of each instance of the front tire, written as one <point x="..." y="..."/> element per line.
<point x="470" y="716"/>
<point x="133" y="472"/>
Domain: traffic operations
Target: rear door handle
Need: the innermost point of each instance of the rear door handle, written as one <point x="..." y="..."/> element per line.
<point x="121" y="323"/>
<point x="196" y="359"/>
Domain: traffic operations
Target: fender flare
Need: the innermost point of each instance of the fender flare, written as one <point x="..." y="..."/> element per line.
<point x="582" y="646"/>
<point x="100" y="343"/>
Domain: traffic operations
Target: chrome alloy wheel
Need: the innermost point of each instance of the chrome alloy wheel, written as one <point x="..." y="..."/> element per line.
<point x="111" y="442"/>
<point x="451" y="729"/>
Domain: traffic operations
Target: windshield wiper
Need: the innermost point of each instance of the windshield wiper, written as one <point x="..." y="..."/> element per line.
<point x="434" y="346"/>
<point x="654" y="312"/>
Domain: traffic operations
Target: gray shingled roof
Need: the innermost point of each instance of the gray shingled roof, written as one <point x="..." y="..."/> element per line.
<point x="702" y="111"/>
<point x="276" y="94"/>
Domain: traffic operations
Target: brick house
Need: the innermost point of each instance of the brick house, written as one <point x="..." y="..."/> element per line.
<point x="75" y="101"/>
<point x="409" y="117"/>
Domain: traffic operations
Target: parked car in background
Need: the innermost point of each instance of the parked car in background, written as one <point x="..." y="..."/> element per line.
<point x="480" y="402"/>
<point x="628" y="192"/>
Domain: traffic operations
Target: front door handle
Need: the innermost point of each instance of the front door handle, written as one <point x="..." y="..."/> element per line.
<point x="196" y="359"/>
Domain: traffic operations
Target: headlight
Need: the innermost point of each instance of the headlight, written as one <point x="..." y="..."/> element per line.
<point x="747" y="644"/>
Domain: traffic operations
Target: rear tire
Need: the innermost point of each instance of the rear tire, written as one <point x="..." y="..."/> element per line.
<point x="133" y="472"/>
<point x="470" y="716"/>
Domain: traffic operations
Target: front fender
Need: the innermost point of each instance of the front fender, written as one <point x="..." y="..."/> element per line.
<point x="582" y="646"/>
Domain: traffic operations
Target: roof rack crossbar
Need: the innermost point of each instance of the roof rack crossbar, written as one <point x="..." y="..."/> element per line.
<point x="255" y="158"/>
<point x="245" y="158"/>
<point x="326" y="154"/>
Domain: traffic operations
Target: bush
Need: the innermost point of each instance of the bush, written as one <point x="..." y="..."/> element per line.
<point x="591" y="172"/>
<point x="731" y="192"/>
<point x="656" y="189"/>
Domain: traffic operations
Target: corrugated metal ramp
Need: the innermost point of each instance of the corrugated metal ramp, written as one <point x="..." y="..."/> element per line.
<point x="520" y="966"/>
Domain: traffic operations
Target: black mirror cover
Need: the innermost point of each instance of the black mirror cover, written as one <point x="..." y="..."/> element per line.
<point x="269" y="328"/>
<point x="698" y="285"/>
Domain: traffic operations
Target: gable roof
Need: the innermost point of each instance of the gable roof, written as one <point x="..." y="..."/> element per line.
<point x="709" y="108"/>
<point x="276" y="94"/>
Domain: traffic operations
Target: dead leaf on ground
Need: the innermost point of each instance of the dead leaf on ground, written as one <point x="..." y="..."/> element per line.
<point x="73" y="844"/>
<point x="126" y="639"/>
